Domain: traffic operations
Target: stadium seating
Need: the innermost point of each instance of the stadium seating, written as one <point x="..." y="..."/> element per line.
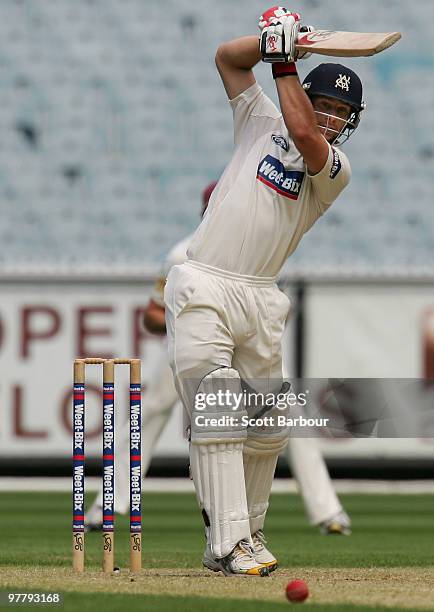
<point x="112" y="119"/>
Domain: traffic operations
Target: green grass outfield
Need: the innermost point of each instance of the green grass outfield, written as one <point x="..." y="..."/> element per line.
<point x="388" y="561"/>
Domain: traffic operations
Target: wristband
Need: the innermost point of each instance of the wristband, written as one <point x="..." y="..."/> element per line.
<point x="283" y="70"/>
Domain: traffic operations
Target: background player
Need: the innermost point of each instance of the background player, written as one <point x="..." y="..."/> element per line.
<point x="160" y="397"/>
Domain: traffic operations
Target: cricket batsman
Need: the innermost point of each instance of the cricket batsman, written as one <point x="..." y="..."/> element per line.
<point x="321" y="503"/>
<point x="224" y="312"/>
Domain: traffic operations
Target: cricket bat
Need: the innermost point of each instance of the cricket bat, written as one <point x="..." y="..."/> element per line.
<point x="346" y="44"/>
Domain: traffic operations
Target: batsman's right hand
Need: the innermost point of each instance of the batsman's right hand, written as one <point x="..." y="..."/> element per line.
<point x="279" y="34"/>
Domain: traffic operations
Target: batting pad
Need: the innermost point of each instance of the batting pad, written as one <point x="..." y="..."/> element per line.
<point x="218" y="475"/>
<point x="259" y="466"/>
<point x="218" y="409"/>
<point x="216" y="459"/>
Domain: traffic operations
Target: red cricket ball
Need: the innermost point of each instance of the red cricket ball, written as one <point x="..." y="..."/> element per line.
<point x="297" y="591"/>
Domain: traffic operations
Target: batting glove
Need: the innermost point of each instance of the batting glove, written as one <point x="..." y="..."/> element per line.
<point x="272" y="16"/>
<point x="279" y="37"/>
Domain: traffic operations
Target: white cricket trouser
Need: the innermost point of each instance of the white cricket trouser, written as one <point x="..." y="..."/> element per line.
<point x="310" y="472"/>
<point x="313" y="480"/>
<point x="217" y="320"/>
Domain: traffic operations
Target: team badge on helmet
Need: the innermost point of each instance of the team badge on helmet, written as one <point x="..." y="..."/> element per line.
<point x="343" y="82"/>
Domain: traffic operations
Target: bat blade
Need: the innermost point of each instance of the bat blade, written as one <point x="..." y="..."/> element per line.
<point x="346" y="44"/>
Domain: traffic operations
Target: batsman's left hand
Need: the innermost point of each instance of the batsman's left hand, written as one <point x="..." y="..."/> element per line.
<point x="305" y="30"/>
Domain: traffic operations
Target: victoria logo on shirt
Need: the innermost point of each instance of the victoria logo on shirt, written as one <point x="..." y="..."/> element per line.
<point x="280" y="141"/>
<point x="336" y="165"/>
<point x="273" y="173"/>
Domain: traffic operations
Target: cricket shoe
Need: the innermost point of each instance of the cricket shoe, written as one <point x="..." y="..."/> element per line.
<point x="261" y="552"/>
<point x="339" y="524"/>
<point x="88" y="527"/>
<point x="239" y="562"/>
<point x="93" y="519"/>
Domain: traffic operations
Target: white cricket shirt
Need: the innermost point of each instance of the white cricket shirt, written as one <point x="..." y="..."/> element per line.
<point x="265" y="200"/>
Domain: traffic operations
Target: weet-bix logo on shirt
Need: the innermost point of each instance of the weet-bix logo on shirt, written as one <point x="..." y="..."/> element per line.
<point x="273" y="173"/>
